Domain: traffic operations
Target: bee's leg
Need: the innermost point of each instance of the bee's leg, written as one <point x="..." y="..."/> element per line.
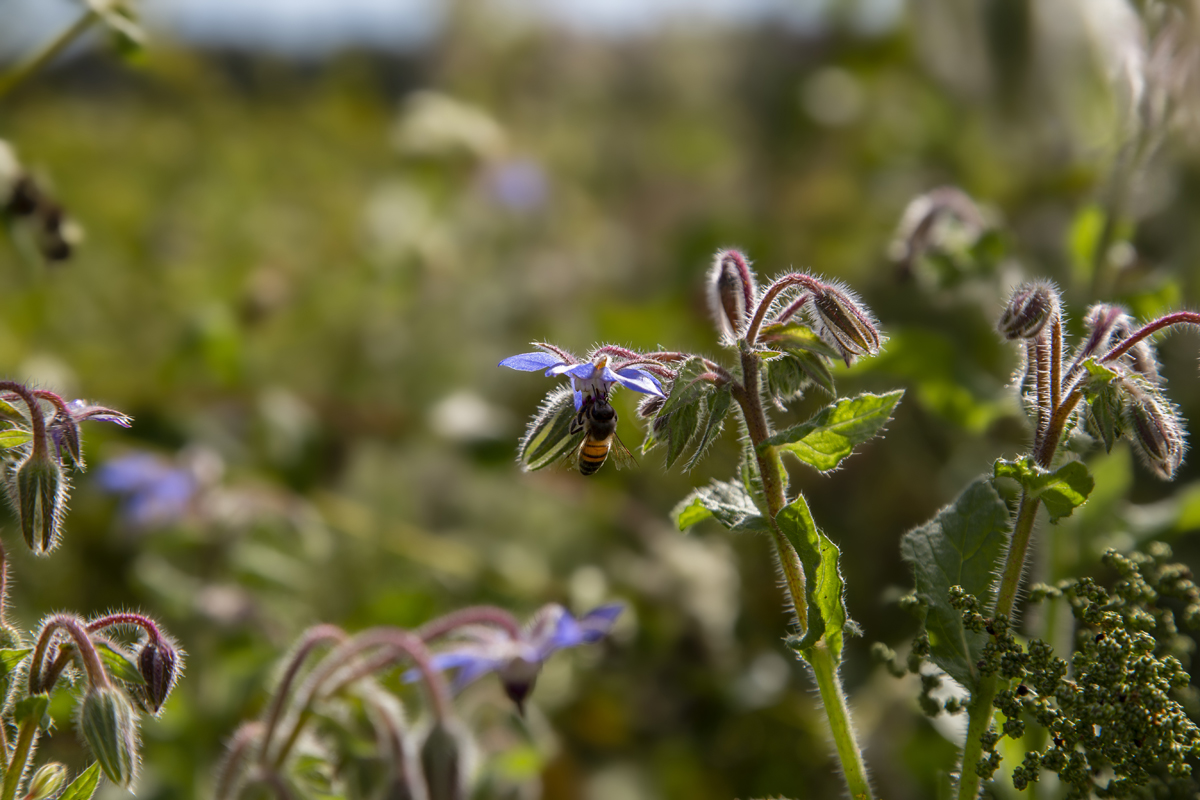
<point x="577" y="424"/>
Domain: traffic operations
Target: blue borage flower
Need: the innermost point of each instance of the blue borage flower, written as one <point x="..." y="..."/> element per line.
<point x="156" y="492"/>
<point x="518" y="661"/>
<point x="592" y="378"/>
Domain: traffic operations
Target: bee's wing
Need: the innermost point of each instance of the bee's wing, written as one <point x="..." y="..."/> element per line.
<point x="570" y="456"/>
<point x="619" y="454"/>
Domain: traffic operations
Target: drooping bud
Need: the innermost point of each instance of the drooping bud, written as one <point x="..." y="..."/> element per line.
<point x="1031" y="306"/>
<point x="442" y="760"/>
<point x="47" y="781"/>
<point x="1108" y="325"/>
<point x="107" y="723"/>
<point x="731" y="293"/>
<point x="845" y="323"/>
<point x="38" y="491"/>
<point x="1154" y="428"/>
<point x="518" y="678"/>
<point x="64" y="432"/>
<point x="158" y="664"/>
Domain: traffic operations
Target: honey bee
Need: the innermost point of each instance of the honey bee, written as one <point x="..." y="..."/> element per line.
<point x="597" y="419"/>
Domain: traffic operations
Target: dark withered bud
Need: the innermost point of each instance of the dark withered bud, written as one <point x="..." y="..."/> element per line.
<point x="731" y="293"/>
<point x="650" y="405"/>
<point x="442" y="760"/>
<point x="1154" y="428"/>
<point x="157" y="663"/>
<point x="1032" y="305"/>
<point x="845" y="323"/>
<point x="64" y="432"/>
<point x="24" y="197"/>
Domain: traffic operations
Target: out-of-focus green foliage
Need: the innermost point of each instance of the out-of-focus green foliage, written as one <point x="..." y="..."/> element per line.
<point x="299" y="279"/>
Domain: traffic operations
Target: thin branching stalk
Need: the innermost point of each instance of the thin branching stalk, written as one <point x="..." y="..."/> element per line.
<point x="474" y="615"/>
<point x="243" y="740"/>
<point x="22" y="71"/>
<point x="819" y="658"/>
<point x="92" y="665"/>
<point x="22" y="751"/>
<point x="313" y="638"/>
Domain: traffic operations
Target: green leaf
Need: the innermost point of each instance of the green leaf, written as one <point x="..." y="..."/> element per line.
<point x="9" y="659"/>
<point x="549" y="436"/>
<point x="718" y="407"/>
<point x="14" y="437"/>
<point x="688" y="387"/>
<point x="118" y="664"/>
<point x="32" y="707"/>
<point x="84" y="786"/>
<point x="1061" y="491"/>
<point x="7" y="409"/>
<point x="823" y="586"/>
<point x="682" y="425"/>
<point x="752" y="479"/>
<point x="727" y="502"/>
<point x="829" y="437"/>
<point x="958" y="547"/>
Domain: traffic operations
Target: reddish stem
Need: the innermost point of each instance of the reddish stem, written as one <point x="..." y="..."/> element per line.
<point x="126" y="618"/>
<point x="473" y="615"/>
<point x="773" y="291"/>
<point x="309" y="641"/>
<point x="97" y="676"/>
<point x="1149" y="329"/>
<point x="36" y="420"/>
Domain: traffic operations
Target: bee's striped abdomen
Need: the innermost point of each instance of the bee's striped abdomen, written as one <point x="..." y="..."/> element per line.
<point x="592" y="454"/>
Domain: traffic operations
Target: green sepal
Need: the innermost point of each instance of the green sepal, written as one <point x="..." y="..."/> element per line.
<point x="9" y="659"/>
<point x="1061" y="491"/>
<point x="687" y="387"/>
<point x="14" y="437"/>
<point x="47" y="782"/>
<point x="727" y="502"/>
<point x="548" y="437"/>
<point x="34" y="707"/>
<point x="682" y="424"/>
<point x="823" y="585"/>
<point x="958" y="547"/>
<point x="805" y="363"/>
<point x="117" y="664"/>
<point x="109" y="727"/>
<point x="84" y="786"/>
<point x="830" y="436"/>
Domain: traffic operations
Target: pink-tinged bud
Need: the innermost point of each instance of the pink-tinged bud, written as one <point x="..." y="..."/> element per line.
<point x="1108" y="325"/>
<point x="158" y="665"/>
<point x="47" y="781"/>
<point x="731" y="293"/>
<point x="1154" y="428"/>
<point x="107" y="723"/>
<point x="845" y="323"/>
<point x="1032" y="305"/>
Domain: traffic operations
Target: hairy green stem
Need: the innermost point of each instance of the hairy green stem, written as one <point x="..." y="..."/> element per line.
<point x="20" y="757"/>
<point x="19" y="73"/>
<point x="819" y="657"/>
<point x="980" y="714"/>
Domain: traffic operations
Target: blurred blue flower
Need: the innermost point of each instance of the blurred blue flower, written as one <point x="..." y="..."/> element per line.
<point x="156" y="492"/>
<point x="518" y="661"/>
<point x="519" y="185"/>
<point x="589" y="378"/>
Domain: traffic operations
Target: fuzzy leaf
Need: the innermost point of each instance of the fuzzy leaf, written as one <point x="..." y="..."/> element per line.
<point x="727" y="502"/>
<point x="9" y="659"/>
<point x="687" y="388"/>
<point x="14" y="437"/>
<point x="1061" y="491"/>
<point x="10" y="411"/>
<point x="549" y="436"/>
<point x="718" y="406"/>
<point x="796" y="337"/>
<point x="958" y="547"/>
<point x="84" y="786"/>
<point x="117" y="664"/>
<point x="752" y="478"/>
<point x="682" y="425"/>
<point x="829" y="437"/>
<point x="823" y="586"/>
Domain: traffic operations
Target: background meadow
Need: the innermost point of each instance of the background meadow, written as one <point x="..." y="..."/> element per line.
<point x="299" y="271"/>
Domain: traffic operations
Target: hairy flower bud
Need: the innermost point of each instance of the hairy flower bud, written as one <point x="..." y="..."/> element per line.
<point x="650" y="406"/>
<point x="845" y="323"/>
<point x="1032" y="305"/>
<point x="38" y="491"/>
<point x="157" y="662"/>
<point x="442" y="759"/>
<point x="107" y="723"/>
<point x="47" y="781"/>
<point x="731" y="292"/>
<point x="1155" y="429"/>
<point x="1108" y="325"/>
